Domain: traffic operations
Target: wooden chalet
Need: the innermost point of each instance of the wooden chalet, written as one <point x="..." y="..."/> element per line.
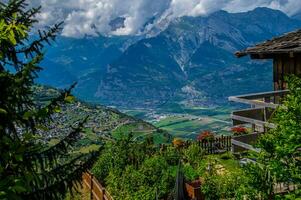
<point x="286" y="54"/>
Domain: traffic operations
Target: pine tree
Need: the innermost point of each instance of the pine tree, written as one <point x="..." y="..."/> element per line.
<point x="29" y="170"/>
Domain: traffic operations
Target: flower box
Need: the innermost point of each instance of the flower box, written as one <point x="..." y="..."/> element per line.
<point x="193" y="190"/>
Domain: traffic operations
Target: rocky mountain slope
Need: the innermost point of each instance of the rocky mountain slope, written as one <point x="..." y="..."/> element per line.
<point x="190" y="62"/>
<point x="193" y="60"/>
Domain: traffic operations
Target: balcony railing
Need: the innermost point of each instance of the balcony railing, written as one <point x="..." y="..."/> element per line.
<point x="262" y="107"/>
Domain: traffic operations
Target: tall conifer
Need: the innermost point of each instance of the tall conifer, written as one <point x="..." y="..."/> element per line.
<point x="28" y="169"/>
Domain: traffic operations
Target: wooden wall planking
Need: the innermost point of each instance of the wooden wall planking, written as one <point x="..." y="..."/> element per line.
<point x="284" y="65"/>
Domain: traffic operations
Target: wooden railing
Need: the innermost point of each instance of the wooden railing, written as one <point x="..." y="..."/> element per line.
<point x="216" y="145"/>
<point x="262" y="107"/>
<point x="245" y="142"/>
<point x="97" y="191"/>
<point x="263" y="99"/>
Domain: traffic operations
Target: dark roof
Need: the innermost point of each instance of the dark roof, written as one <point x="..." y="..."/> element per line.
<point x="290" y="42"/>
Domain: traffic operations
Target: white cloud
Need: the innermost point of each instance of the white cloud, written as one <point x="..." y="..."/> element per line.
<point x="195" y="7"/>
<point x="89" y="17"/>
<point x="289" y="7"/>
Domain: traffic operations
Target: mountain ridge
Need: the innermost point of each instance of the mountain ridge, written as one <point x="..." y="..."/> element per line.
<point x="139" y="75"/>
<point x="191" y="61"/>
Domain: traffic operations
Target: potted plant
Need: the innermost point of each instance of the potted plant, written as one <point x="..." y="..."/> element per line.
<point x="193" y="189"/>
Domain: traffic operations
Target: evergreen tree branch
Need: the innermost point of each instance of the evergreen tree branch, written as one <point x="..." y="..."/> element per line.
<point x="63" y="179"/>
<point x="37" y="45"/>
<point x="57" y="151"/>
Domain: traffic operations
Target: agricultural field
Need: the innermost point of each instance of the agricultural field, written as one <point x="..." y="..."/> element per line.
<point x="140" y="130"/>
<point x="187" y="122"/>
<point x="188" y="126"/>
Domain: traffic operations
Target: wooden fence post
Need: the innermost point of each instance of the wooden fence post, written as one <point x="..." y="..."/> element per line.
<point x="91" y="188"/>
<point x="103" y="193"/>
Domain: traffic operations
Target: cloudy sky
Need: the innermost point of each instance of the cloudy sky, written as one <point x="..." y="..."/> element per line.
<point x="89" y="17"/>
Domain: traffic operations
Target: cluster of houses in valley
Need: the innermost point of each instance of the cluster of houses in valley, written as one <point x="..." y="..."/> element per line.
<point x="100" y="120"/>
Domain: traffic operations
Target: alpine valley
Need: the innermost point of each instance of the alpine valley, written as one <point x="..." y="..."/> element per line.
<point x="186" y="68"/>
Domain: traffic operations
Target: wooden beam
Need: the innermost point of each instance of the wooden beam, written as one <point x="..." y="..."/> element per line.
<point x="261" y="56"/>
<point x="262" y="94"/>
<point x="245" y="145"/>
<point x="253" y="113"/>
<point x="251" y="99"/>
<point x="253" y="121"/>
<point x="254" y="102"/>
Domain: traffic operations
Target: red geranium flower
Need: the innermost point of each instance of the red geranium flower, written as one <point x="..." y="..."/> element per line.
<point x="205" y="135"/>
<point x="239" y="130"/>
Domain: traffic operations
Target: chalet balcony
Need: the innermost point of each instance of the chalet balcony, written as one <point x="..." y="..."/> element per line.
<point x="262" y="107"/>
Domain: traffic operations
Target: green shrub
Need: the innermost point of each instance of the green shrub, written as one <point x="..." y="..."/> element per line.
<point x="193" y="154"/>
<point x="225" y="184"/>
<point x="190" y="173"/>
<point x="226" y="156"/>
<point x="102" y="167"/>
<point x="136" y="169"/>
<point x="171" y="155"/>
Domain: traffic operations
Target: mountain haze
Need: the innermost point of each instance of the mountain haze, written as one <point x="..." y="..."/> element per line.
<point x="70" y="59"/>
